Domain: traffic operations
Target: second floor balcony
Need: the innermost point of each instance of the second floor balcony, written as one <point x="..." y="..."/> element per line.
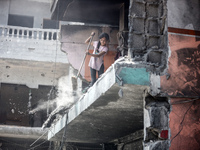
<point x="30" y="44"/>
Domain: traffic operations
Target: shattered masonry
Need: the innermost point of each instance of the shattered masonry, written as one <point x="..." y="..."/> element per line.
<point x="148" y="44"/>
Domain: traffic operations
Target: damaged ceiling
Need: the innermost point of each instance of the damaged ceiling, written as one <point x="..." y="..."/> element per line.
<point x="108" y="118"/>
<point x="89" y="11"/>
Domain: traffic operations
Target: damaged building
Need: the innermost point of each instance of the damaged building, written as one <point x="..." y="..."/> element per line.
<point x="147" y="97"/>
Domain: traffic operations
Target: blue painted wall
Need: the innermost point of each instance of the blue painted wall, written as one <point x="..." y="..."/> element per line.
<point x="137" y="76"/>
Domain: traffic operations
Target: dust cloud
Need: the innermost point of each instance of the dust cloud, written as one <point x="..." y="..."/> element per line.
<point x="68" y="91"/>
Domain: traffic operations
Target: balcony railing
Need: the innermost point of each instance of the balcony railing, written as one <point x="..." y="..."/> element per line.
<point x="29" y="33"/>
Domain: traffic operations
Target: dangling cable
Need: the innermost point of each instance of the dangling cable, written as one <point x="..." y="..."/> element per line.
<point x="55" y="62"/>
<point x="64" y="137"/>
<point x="51" y="92"/>
<point x="29" y="100"/>
<point x="57" y="39"/>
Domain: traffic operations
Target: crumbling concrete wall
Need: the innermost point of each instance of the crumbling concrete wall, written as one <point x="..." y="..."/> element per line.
<point x="156" y="119"/>
<point x="148" y="44"/>
<point x="148" y="33"/>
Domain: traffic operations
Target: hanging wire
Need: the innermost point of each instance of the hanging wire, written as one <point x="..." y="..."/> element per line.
<point x="32" y="148"/>
<point x="181" y="124"/>
<point x="29" y="100"/>
<point x="50" y="145"/>
<point x="55" y="62"/>
<point x="51" y="92"/>
<point x="53" y="84"/>
<point x="184" y="101"/>
<point x="39" y="138"/>
<point x="67" y="8"/>
<point x="64" y="133"/>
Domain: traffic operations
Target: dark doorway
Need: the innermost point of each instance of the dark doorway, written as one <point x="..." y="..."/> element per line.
<point x="22" y="21"/>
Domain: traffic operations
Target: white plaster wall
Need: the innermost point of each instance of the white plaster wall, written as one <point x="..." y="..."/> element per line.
<point x="30" y="49"/>
<point x="39" y="10"/>
<point x="184" y="14"/>
<point x="31" y="73"/>
<point x="4" y="7"/>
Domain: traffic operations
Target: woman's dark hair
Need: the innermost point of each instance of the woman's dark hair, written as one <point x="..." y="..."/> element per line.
<point x="102" y="35"/>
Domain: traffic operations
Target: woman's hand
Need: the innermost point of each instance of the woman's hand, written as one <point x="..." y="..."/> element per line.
<point x="88" y="39"/>
<point x="87" y="53"/>
<point x="93" y="33"/>
<point x="96" y="55"/>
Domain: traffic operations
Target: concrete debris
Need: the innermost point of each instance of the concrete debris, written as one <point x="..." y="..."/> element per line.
<point x="60" y="110"/>
<point x="120" y="93"/>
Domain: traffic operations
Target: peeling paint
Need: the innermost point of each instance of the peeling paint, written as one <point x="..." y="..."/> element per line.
<point x="183" y="67"/>
<point x="137" y="76"/>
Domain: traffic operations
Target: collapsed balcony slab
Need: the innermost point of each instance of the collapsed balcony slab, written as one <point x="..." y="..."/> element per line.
<point x="111" y="108"/>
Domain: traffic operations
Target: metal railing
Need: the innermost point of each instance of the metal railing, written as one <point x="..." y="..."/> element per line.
<point x="29" y="33"/>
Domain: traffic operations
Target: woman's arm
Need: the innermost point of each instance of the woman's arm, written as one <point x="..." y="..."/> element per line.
<point x="96" y="55"/>
<point x="88" y="39"/>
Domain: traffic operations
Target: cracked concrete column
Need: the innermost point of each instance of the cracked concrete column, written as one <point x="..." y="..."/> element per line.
<point x="156" y="122"/>
<point x="148" y="44"/>
<point x="148" y="40"/>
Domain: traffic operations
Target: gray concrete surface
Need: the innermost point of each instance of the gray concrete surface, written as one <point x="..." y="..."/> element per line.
<point x="22" y="132"/>
<point x="183" y="14"/>
<point x="31" y="73"/>
<point x="106" y="112"/>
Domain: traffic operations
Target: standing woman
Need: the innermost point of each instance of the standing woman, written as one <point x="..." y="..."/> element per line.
<point x="96" y="60"/>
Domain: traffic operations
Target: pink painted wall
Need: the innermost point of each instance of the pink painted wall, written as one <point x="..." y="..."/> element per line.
<point x="183" y="67"/>
<point x="184" y="81"/>
<point x="185" y="118"/>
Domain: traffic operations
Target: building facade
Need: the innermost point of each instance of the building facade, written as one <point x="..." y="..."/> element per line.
<point x="146" y="99"/>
